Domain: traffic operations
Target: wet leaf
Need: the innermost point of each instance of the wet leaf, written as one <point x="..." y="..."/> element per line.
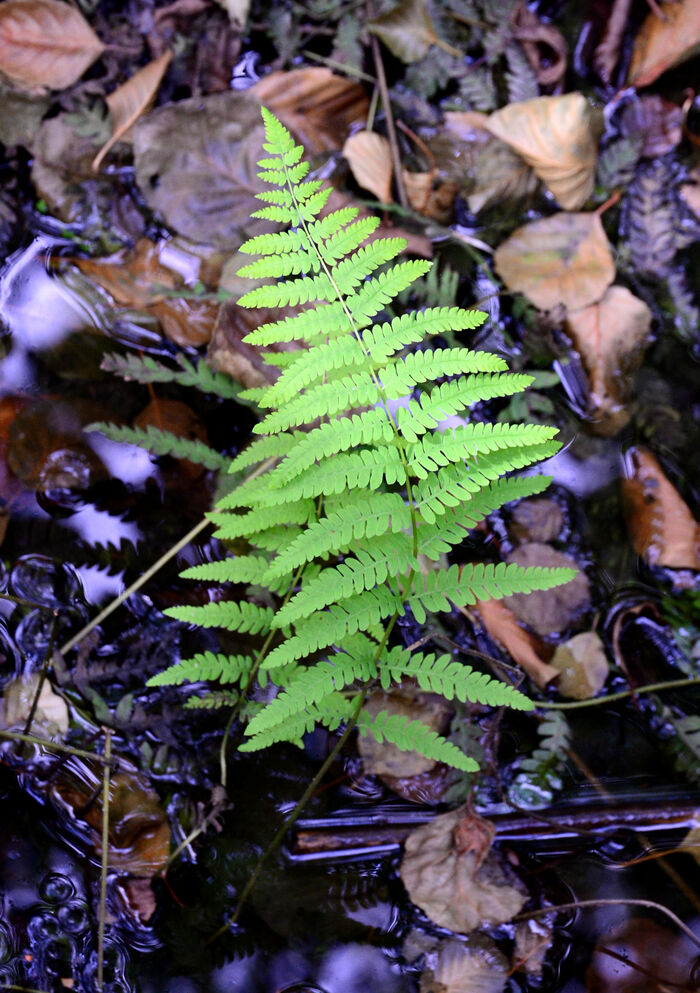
<point x="408" y="31"/>
<point x="659" y="522"/>
<point x="132" y="99"/>
<point x="646" y="958"/>
<point x="369" y="157"/>
<point x="51" y="718"/>
<point x="186" y="322"/>
<point x="45" y="44"/>
<point x="449" y="882"/>
<point x="385" y="759"/>
<point x="583" y="665"/>
<point x="611" y="337"/>
<point x="664" y="42"/>
<point x="317" y="106"/>
<point x="472" y="966"/>
<point x="537" y="520"/>
<point x="61" y="166"/>
<point x="533" y="939"/>
<point x="558" y="137"/>
<point x="180" y="420"/>
<point x="554" y="610"/>
<point x="431" y="194"/>
<point x="564" y="259"/>
<point x="502" y="625"/>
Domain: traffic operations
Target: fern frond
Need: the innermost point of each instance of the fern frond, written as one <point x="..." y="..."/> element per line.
<point x="364" y="469"/>
<point x="261" y="449"/>
<point x="241" y="569"/>
<point x="213" y="700"/>
<point x="231" y="615"/>
<point x="414" y="736"/>
<point x="410" y="329"/>
<point x="205" y="667"/>
<point x="473" y="440"/>
<point x="230" y="526"/>
<point x="144" y="369"/>
<point x="163" y="443"/>
<point x="330" y="712"/>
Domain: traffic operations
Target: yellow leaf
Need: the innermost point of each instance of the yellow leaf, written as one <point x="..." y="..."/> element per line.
<point x="664" y="43"/>
<point x="45" y="44"/>
<point x="369" y="157"/>
<point x="131" y="99"/>
<point x="408" y="31"/>
<point x="564" y="259"/>
<point x="558" y="137"/>
<point x="583" y="665"/>
<point x="502" y="625"/>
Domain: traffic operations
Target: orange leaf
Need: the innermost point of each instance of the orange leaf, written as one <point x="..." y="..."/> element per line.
<point x="662" y="44"/>
<point x="131" y="99"/>
<point x="660" y="525"/>
<point x="45" y="44"/>
<point x="369" y="157"/>
<point x="502" y="626"/>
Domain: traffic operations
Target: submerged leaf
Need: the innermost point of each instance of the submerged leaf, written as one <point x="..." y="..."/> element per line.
<point x="554" y="610"/>
<point x="45" y="44"/>
<point x="408" y="31"/>
<point x="665" y="41"/>
<point x="564" y="259"/>
<point x="583" y="665"/>
<point x="558" y="137"/>
<point x="472" y="966"/>
<point x="611" y="337"/>
<point x="660" y="525"/>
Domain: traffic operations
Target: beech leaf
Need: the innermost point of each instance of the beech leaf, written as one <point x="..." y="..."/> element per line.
<point x="45" y="44"/>
<point x="659" y="522"/>
<point x="583" y="665"/>
<point x="408" y="31"/>
<point x="551" y="611"/>
<point x="522" y="646"/>
<point x="558" y="137"/>
<point x="664" y="42"/>
<point x="430" y="194"/>
<point x="611" y="337"/>
<point x="563" y="259"/>
<point x="132" y="99"/>
<point x="369" y="157"/>
<point x="472" y="966"/>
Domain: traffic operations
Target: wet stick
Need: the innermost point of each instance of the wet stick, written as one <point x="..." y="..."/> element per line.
<point x="104" y="860"/>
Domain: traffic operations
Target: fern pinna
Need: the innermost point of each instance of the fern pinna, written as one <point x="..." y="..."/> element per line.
<point x="356" y="486"/>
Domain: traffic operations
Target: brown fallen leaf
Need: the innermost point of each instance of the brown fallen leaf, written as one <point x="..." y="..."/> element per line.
<point x="135" y="278"/>
<point x="664" y="42"/>
<point x="544" y="46"/>
<point x="558" y="137"/>
<point x="472" y="966"/>
<point x="611" y="337"/>
<point x="640" y="956"/>
<point x="563" y="259"/>
<point x="607" y="52"/>
<point x="180" y="420"/>
<point x="317" y="106"/>
<point x="408" y="31"/>
<point x="583" y="665"/>
<point x="659" y="522"/>
<point x="555" y="610"/>
<point x="522" y="646"/>
<point x="431" y="194"/>
<point x="132" y="99"/>
<point x="51" y="718"/>
<point x="45" y="44"/>
<point x="457" y="887"/>
<point x="369" y="157"/>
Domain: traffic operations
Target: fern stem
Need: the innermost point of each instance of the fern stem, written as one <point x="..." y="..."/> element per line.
<point x="638" y="691"/>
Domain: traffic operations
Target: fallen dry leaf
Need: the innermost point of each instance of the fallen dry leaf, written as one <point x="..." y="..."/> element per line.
<point x="611" y="337"/>
<point x="551" y="611"/>
<point x="563" y="259"/>
<point x="317" y="106"/>
<point x="541" y="519"/>
<point x="659" y="522"/>
<point x="544" y="46"/>
<point x="45" y="44"/>
<point x="408" y="31"/>
<point x="132" y="99"/>
<point x="472" y="966"/>
<point x="664" y="42"/>
<point x="430" y="194"/>
<point x="558" y="137"/>
<point x="451" y="884"/>
<point x="502" y="625"/>
<point x="583" y="665"/>
<point x="369" y="157"/>
<point x="385" y="759"/>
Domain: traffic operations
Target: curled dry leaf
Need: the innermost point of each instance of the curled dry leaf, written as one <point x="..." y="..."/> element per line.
<point x="472" y="966"/>
<point x="558" y="137"/>
<point x="664" y="42"/>
<point x="554" y="610"/>
<point x="318" y="107"/>
<point x="608" y="49"/>
<point x="564" y="259"/>
<point x="369" y="157"/>
<point x="544" y="46"/>
<point x="583" y="665"/>
<point x="408" y="31"/>
<point x="455" y="886"/>
<point x="522" y="646"/>
<point x="430" y="194"/>
<point x="611" y="337"/>
<point x="132" y="99"/>
<point x="45" y="44"/>
<point x="659" y="522"/>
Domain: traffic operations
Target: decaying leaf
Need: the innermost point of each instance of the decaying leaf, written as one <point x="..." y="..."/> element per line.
<point x="666" y="41"/>
<point x="472" y="966"/>
<point x="558" y="137"/>
<point x="317" y="106"/>
<point x="45" y="44"/>
<point x="51" y="718"/>
<point x="179" y="419"/>
<point x="385" y="759"/>
<point x="457" y="887"/>
<point x="502" y="625"/>
<point x="583" y="665"/>
<point x="611" y="337"/>
<point x="544" y="46"/>
<point x="540" y="519"/>
<point x="659" y="522"/>
<point x="554" y="610"/>
<point x="607" y="51"/>
<point x="369" y="157"/>
<point x="132" y="99"/>
<point x="430" y="194"/>
<point x="408" y="31"/>
<point x="563" y="259"/>
<point x="646" y="957"/>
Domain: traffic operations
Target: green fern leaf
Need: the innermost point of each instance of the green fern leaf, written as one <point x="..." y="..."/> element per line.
<point x="206" y="667"/>
<point x="144" y="369"/>
<point x="414" y="736"/>
<point x="229" y="614"/>
<point x="163" y="443"/>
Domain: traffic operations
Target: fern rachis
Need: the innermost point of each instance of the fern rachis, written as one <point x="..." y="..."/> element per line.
<point x="347" y="494"/>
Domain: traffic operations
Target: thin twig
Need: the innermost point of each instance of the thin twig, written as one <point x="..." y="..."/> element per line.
<point x="391" y="130"/>
<point x="339" y="66"/>
<point x="670" y="684"/>
<point x="42" y="677"/>
<point x="105" y="858"/>
<point x="55" y="745"/>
